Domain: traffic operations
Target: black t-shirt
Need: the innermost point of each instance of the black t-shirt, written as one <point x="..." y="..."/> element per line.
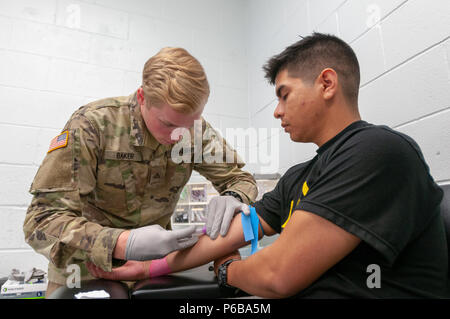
<point x="374" y="183"/>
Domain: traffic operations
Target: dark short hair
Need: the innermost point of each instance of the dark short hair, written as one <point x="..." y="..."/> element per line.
<point x="307" y="58"/>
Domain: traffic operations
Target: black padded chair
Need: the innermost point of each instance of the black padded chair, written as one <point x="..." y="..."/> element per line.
<point x="199" y="282"/>
<point x="445" y="212"/>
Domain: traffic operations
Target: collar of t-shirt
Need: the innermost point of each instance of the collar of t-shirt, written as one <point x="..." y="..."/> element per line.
<point x="330" y="142"/>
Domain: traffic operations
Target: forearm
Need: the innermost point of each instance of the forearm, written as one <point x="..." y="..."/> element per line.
<point x="57" y="234"/>
<point x="206" y="249"/>
<point x="293" y="263"/>
<point x="256" y="275"/>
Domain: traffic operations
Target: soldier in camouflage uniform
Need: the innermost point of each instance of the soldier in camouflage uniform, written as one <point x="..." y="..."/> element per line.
<point x="107" y="174"/>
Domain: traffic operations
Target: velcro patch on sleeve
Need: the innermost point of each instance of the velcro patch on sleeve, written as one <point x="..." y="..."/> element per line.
<point x="59" y="141"/>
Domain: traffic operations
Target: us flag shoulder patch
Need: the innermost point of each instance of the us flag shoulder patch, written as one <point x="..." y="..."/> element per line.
<point x="59" y="141"/>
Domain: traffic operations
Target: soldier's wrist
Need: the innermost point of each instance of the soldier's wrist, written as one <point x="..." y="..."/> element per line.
<point x="234" y="194"/>
<point x="121" y="245"/>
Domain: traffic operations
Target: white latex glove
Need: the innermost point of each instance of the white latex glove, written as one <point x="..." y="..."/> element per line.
<point x="154" y="242"/>
<point x="221" y="210"/>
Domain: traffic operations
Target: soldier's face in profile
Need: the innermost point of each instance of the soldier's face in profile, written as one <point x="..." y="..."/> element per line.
<point x="299" y="108"/>
<point x="162" y="120"/>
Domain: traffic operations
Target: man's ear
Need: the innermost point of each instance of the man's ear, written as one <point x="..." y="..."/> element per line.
<point x="328" y="80"/>
<point x="140" y="96"/>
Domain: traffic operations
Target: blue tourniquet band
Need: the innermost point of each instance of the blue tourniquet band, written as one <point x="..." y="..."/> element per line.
<point x="250" y="226"/>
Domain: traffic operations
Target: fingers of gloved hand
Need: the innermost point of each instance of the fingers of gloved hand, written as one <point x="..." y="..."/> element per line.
<point x="243" y="208"/>
<point x="187" y="242"/>
<point x="218" y="217"/>
<point x="148" y="242"/>
<point x="226" y="221"/>
<point x="185" y="232"/>
<point x="153" y="228"/>
<point x="210" y="215"/>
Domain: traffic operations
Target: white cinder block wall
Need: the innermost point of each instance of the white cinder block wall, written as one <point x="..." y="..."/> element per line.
<point x="56" y="55"/>
<point x="403" y="48"/>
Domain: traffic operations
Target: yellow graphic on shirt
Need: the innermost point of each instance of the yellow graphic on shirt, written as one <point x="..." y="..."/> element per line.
<point x="289" y="217"/>
<point x="305" y="190"/>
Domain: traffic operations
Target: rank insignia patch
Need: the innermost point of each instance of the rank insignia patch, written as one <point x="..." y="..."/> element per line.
<point x="59" y="141"/>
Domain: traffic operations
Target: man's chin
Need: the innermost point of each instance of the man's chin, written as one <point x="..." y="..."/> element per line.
<point x="295" y="138"/>
<point x="292" y="137"/>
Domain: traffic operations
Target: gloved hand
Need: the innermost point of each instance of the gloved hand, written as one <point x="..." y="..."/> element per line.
<point x="221" y="210"/>
<point x="154" y="242"/>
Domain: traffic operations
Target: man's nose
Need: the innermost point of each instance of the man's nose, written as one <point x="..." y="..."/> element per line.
<point x="279" y="111"/>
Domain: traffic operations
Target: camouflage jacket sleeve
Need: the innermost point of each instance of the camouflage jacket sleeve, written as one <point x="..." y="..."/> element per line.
<point x="222" y="165"/>
<point x="54" y="225"/>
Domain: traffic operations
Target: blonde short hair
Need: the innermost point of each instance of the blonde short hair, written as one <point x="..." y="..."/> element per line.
<point x="175" y="77"/>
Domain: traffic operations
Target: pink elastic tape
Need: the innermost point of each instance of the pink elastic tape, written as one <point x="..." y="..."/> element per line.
<point x="159" y="267"/>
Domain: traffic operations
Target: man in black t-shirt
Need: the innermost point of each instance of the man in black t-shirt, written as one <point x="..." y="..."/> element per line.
<point x="361" y="219"/>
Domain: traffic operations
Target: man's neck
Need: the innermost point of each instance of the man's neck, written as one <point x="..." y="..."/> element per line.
<point x="337" y="120"/>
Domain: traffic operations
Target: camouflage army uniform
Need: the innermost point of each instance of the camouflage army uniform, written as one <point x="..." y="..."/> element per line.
<point x="112" y="175"/>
